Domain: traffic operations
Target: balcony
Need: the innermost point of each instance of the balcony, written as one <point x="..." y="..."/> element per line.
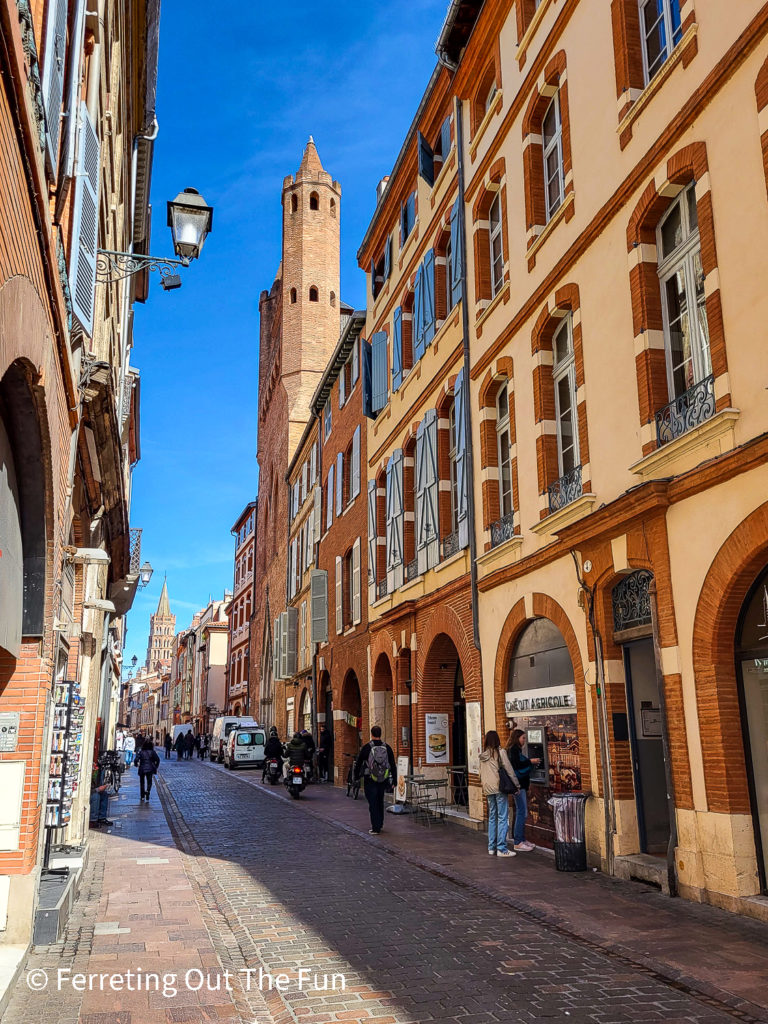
<point x="135" y="563"/>
<point x="503" y="529"/>
<point x="412" y="570"/>
<point x="449" y="546"/>
<point x="565" y="490"/>
<point x="694" y="407"/>
<point x="381" y="589"/>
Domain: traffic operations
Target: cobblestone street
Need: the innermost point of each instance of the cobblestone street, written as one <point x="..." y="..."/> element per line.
<point x="232" y="878"/>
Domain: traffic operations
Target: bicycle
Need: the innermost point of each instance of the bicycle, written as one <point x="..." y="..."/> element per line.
<point x="353" y="783"/>
<point x="112" y="769"/>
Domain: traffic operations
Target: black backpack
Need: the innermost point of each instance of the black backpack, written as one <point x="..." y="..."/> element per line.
<point x="377" y="768"/>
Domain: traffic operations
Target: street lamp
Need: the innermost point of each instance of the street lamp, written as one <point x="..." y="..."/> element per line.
<point x="189" y="218"/>
<point x="145" y="572"/>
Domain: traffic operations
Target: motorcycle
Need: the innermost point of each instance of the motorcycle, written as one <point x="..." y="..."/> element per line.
<point x="273" y="770"/>
<point x="295" y="779"/>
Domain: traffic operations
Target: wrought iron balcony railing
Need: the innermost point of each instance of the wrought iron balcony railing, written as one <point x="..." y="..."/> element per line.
<point x="381" y="589"/>
<point x="412" y="570"/>
<point x="694" y="406"/>
<point x="450" y="545"/>
<point x="565" y="490"/>
<point x="503" y="529"/>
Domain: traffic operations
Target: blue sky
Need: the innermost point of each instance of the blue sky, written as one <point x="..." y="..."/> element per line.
<point x="237" y="99"/>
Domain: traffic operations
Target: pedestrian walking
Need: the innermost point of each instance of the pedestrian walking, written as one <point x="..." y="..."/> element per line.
<point x="148" y="762"/>
<point x="325" y="741"/>
<point x="168" y="744"/>
<point x="180" y="746"/>
<point x="522" y="766"/>
<point x="198" y="744"/>
<point x="376" y="763"/>
<point x="493" y="762"/>
<point x="205" y="746"/>
<point x="130" y="749"/>
<point x="189" y="745"/>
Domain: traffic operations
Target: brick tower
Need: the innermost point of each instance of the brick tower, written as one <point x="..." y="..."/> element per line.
<point x="162" y="627"/>
<point x="310" y="284"/>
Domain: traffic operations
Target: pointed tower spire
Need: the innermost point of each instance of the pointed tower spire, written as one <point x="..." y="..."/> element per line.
<point x="163" y="607"/>
<point x="310" y="163"/>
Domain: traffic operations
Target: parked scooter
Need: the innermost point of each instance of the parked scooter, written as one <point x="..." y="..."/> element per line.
<point x="295" y="779"/>
<point x="273" y="771"/>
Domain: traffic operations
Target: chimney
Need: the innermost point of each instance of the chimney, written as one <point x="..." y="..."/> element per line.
<point x="380" y="188"/>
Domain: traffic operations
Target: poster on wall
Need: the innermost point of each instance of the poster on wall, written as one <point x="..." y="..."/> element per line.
<point x="401" y="790"/>
<point x="474" y="737"/>
<point x="437" y="739"/>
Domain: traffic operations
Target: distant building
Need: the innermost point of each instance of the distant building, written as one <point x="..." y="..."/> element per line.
<point x="162" y="626"/>
<point x="241" y="610"/>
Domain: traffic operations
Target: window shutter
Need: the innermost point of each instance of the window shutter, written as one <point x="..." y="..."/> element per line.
<point x="355" y="468"/>
<point x="283" y="645"/>
<point x="317" y="520"/>
<point x="341" y="388"/>
<point x="53" y="79"/>
<point x="339" y="482"/>
<point x="421" y="549"/>
<point x="378" y="371"/>
<point x="304" y="480"/>
<point x="372" y="541"/>
<point x="339" y="594"/>
<point x="410" y="211"/>
<point x="418" y="315"/>
<point x="373" y="278"/>
<point x="367" y="386"/>
<point x="462" y="483"/>
<point x="388" y="258"/>
<point x="319" y="596"/>
<point x="403" y="225"/>
<point x="388" y="526"/>
<point x="397" y="348"/>
<point x="303" y="634"/>
<point x="457" y="262"/>
<point x="329" y="499"/>
<point x="426" y="161"/>
<point x="85" y="223"/>
<point x="72" y="103"/>
<point x="357" y="603"/>
<point x="292" y="627"/>
<point x="276" y="650"/>
<point x="428" y="541"/>
<point x="395" y="521"/>
<point x="445" y="138"/>
<point x="428" y="296"/>
<point x="313" y="464"/>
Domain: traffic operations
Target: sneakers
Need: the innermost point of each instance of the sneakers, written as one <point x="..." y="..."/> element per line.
<point x="505" y="853"/>
<point x="491" y="853"/>
<point x="373" y="832"/>
<point x="525" y="846"/>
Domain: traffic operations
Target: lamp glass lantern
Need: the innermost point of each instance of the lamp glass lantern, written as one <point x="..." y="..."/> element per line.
<point x="190" y="220"/>
<point x="146" y="573"/>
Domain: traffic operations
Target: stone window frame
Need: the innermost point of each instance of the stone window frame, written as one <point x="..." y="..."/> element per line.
<point x="688" y="165"/>
<point x="631" y="85"/>
<point x="553" y="80"/>
<point x="565" y="302"/>
<point x="489" y="79"/>
<point x="495" y="182"/>
<point x="502" y="372"/>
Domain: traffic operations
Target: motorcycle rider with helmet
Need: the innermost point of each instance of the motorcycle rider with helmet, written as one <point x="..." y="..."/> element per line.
<point x="273" y="749"/>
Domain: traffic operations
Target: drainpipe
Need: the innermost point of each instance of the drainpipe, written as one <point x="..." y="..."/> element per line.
<point x="470" y="475"/>
<point x="671" y="811"/>
<point x="609" y="807"/>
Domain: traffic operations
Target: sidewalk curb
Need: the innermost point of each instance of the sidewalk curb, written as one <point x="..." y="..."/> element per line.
<point x="711" y="995"/>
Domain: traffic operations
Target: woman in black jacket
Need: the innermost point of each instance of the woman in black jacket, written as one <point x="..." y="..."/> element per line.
<point x="522" y="766"/>
<point x="148" y="763"/>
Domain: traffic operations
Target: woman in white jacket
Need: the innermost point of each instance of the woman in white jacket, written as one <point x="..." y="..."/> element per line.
<point x="498" y="803"/>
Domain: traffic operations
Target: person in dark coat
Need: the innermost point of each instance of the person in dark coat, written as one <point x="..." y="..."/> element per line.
<point x="180" y="746"/>
<point x="189" y="745"/>
<point x="148" y="762"/>
<point x="324" y="753"/>
<point x="168" y="744"/>
<point x="378" y="770"/>
<point x="309" y="743"/>
<point x="198" y="743"/>
<point x="272" y="748"/>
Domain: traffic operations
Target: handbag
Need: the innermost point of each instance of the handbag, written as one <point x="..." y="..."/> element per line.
<point x="506" y="783"/>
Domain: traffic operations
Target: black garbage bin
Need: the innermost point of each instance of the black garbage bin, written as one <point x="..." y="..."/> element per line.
<point x="570" y="841"/>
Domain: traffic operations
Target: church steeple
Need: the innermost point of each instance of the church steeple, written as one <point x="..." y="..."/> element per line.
<point x="310" y="166"/>
<point x="163" y="607"/>
<point x="162" y="628"/>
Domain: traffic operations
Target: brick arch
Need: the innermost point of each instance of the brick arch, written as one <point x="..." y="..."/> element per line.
<point x="504" y="369"/>
<point x="734" y="569"/>
<point x="490" y="74"/>
<point x="445" y="620"/>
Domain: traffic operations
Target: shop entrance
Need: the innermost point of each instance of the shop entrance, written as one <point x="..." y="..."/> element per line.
<point x="442" y="708"/>
<point x="350" y="725"/>
<point x="326" y="705"/>
<point x="752" y="667"/>
<point x="382" y="710"/>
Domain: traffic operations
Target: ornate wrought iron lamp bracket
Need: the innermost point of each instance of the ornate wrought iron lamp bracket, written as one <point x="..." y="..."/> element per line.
<point x="114" y="266"/>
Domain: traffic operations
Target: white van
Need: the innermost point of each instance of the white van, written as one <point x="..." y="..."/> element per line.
<point x="222" y="727"/>
<point x="245" y="748"/>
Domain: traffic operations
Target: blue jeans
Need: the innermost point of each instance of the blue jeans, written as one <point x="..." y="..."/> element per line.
<point x="128" y="758"/>
<point x="521" y="813"/>
<point x="498" y="822"/>
<point x="99" y="805"/>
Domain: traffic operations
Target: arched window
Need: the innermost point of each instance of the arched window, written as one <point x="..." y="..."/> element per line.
<point x="293" y="295"/>
<point x="484" y="97"/>
<point x="294" y="202"/>
<point x="333" y="298"/>
<point x="552" y="137"/>
<point x="314" y="201"/>
<point x="313" y="294"/>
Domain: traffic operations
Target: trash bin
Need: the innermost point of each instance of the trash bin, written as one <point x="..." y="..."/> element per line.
<point x="570" y="842"/>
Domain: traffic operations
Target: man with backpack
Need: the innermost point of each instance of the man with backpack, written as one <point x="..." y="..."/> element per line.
<point x="376" y="764"/>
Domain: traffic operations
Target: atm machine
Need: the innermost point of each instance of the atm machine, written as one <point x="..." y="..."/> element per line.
<point x="536" y="747"/>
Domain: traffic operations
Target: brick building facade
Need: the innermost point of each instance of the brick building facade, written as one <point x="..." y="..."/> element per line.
<point x="240" y="611"/>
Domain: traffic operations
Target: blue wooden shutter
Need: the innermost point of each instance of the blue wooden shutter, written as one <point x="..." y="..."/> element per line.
<point x="426" y="161"/>
<point x="395" y="521"/>
<point x="339" y="483"/>
<point x="397" y="348"/>
<point x="53" y="79"/>
<point x="428" y="296"/>
<point x="354" y="473"/>
<point x="378" y="371"/>
<point x="462" y="483"/>
<point x="372" y="541"/>
<point x="329" y="498"/>
<point x="410" y="211"/>
<point x="374" y="293"/>
<point x="367" y="375"/>
<point x="85" y="224"/>
<point x="457" y="263"/>
<point x="427" y="538"/>
<point x="72" y="103"/>
<point x="388" y="258"/>
<point x="445" y="138"/>
<point x="403" y="225"/>
<point x="417" y="333"/>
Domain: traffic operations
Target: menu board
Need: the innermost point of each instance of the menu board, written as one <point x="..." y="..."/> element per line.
<point x="437" y="739"/>
<point x="66" y="753"/>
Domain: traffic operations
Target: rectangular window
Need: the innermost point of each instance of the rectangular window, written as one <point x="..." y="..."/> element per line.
<point x="564" y="376"/>
<point x="661" y="31"/>
<point x="497" y="245"/>
<point x="407" y="218"/>
<point x="552" y="140"/>
<point x="503" y="451"/>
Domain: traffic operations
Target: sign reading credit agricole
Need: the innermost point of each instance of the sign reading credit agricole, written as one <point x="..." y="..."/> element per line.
<point x="559" y="699"/>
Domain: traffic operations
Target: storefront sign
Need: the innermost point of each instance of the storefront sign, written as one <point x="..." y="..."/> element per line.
<point x="437" y="739"/>
<point x="558" y="699"/>
<point x="474" y="737"/>
<point x="9" y="731"/>
<point x="289" y="703"/>
<point x="401" y="791"/>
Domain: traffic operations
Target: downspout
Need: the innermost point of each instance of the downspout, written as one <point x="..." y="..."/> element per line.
<point x="470" y="475"/>
<point x="671" y="810"/>
<point x="609" y="810"/>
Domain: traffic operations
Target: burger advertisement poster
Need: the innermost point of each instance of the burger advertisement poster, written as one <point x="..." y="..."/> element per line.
<point x="437" y="739"/>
